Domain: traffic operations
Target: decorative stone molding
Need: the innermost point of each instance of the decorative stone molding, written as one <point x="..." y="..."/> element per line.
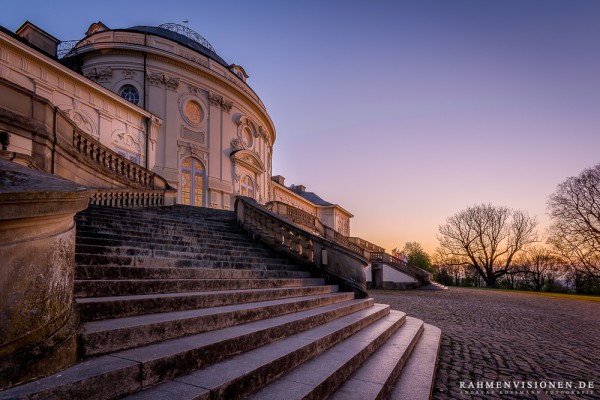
<point x="248" y="160"/>
<point x="129" y="73"/>
<point x="220" y="185"/>
<point x="227" y="105"/>
<point x="194" y="90"/>
<point x="155" y="78"/>
<point x="126" y="140"/>
<point x="263" y="133"/>
<point x="99" y="74"/>
<point x="194" y="58"/>
<point x="82" y="121"/>
<point x="172" y="83"/>
<point x="158" y="79"/>
<point x="192" y="135"/>
<point x="218" y="101"/>
<point x="236" y="144"/>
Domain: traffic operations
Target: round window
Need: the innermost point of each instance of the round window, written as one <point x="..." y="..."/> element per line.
<point x="192" y="112"/>
<point x="130" y="93"/>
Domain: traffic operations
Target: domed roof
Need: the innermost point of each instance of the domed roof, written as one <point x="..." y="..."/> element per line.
<point x="184" y="36"/>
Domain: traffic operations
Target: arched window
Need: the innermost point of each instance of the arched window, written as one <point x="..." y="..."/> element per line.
<point x="247" y="186"/>
<point x="192" y="182"/>
<point x="130" y="93"/>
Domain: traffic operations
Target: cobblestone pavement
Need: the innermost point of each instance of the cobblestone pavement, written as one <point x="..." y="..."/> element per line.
<point x="494" y="336"/>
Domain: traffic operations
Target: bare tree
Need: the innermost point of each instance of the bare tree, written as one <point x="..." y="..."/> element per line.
<point x="575" y="230"/>
<point x="538" y="266"/>
<point x="487" y="238"/>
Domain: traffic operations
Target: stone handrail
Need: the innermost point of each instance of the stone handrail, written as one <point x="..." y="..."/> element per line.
<point x="366" y="245"/>
<point x="400" y="265"/>
<point x="296" y="215"/>
<point x="106" y="158"/>
<point x="313" y="224"/>
<point x="333" y="261"/>
<point x="127" y="198"/>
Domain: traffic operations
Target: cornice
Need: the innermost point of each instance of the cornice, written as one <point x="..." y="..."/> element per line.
<point x="179" y="61"/>
<point x="42" y="61"/>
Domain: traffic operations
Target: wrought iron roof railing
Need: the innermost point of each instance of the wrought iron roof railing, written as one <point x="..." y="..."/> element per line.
<point x="65" y="48"/>
<point x="189" y="33"/>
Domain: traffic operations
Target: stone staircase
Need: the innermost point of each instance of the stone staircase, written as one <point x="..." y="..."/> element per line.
<point x="178" y="303"/>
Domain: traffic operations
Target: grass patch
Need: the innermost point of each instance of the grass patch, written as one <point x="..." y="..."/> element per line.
<point x="548" y="294"/>
<point x="562" y="295"/>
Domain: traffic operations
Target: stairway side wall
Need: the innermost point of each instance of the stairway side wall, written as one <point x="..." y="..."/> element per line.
<point x="38" y="321"/>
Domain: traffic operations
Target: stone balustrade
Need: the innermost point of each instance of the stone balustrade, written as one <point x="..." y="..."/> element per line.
<point x="314" y="225"/>
<point x="400" y="265"/>
<point x="124" y="198"/>
<point x="367" y="245"/>
<point x="106" y="158"/>
<point x="334" y="261"/>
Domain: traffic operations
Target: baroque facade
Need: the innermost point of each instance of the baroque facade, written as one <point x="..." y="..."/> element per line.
<point x="164" y="99"/>
<point x="188" y="115"/>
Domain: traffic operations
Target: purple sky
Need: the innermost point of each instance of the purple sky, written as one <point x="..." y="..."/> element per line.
<point x="402" y="112"/>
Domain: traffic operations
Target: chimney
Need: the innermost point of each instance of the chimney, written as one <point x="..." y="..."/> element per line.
<point x="279" y="179"/>
<point x="300" y="188"/>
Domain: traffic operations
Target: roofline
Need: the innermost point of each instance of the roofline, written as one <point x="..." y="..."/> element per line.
<point x="308" y="201"/>
<point x="54" y="63"/>
<point x="27" y="22"/>
<point x="161" y="52"/>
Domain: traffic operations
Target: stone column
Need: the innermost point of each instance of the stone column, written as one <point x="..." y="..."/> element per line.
<point x="38" y="320"/>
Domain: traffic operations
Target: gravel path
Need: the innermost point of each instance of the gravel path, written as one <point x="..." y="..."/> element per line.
<point x="495" y="337"/>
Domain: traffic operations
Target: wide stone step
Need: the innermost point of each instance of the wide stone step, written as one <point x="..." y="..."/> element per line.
<point x="128" y="371"/>
<point x="169" y="212"/>
<point x="320" y="377"/>
<point x="378" y="375"/>
<point x="101" y="337"/>
<point x="196" y="254"/>
<point x="99" y="308"/>
<point x="154" y="231"/>
<point x="112" y="246"/>
<point x="168" y="262"/>
<point x="417" y="378"/>
<point x="98" y="272"/>
<point x="199" y="253"/>
<point x="163" y="244"/>
<point x="148" y="217"/>
<point x="147" y="241"/>
<point x="136" y="234"/>
<point x="120" y="287"/>
<point x="240" y="375"/>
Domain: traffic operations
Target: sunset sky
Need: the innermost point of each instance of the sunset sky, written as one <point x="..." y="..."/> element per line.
<point x="402" y="112"/>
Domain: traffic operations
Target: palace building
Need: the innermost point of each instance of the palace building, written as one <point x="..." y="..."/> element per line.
<point x="191" y="118"/>
<point x="101" y="140"/>
<point x="164" y="99"/>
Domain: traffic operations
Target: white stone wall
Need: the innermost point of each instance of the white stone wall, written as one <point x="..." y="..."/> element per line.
<point x="234" y="137"/>
<point x="108" y="118"/>
<point x="392" y="275"/>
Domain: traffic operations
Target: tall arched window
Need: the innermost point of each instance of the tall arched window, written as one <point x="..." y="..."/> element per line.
<point x="192" y="182"/>
<point x="247" y="186"/>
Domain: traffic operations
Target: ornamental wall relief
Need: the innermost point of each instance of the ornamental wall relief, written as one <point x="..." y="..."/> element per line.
<point x="159" y="79"/>
<point x="218" y="101"/>
<point x="130" y="141"/>
<point x="99" y="74"/>
<point x="83" y="122"/>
